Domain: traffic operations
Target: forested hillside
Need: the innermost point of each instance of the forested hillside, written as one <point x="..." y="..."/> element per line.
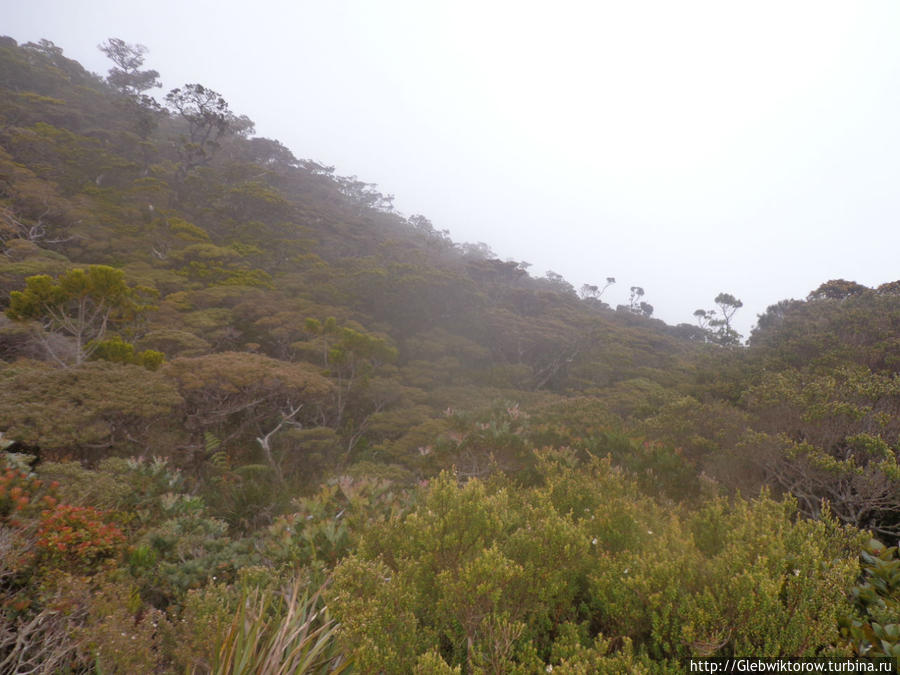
<point x="256" y="420"/>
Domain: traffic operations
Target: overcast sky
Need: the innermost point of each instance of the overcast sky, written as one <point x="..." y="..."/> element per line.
<point x="686" y="147"/>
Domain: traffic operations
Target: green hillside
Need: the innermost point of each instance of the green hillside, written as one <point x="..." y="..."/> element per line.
<point x="256" y="420"/>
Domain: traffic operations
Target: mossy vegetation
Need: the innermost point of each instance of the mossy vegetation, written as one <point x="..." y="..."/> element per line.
<point x="255" y="420"/>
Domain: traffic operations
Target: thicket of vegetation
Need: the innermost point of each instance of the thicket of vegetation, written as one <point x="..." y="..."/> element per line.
<point x="255" y="420"/>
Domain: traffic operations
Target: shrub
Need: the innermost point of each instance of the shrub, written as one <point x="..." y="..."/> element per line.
<point x="874" y="630"/>
<point x="583" y="573"/>
<point x="23" y="495"/>
<point x="77" y="537"/>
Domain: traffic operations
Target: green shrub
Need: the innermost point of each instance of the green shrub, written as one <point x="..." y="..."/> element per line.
<point x="582" y="573"/>
<point x="874" y="628"/>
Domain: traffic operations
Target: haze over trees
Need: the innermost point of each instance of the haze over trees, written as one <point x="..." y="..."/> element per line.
<point x="253" y="415"/>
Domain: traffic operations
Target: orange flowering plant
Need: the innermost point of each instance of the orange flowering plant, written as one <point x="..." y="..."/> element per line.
<point x="77" y="535"/>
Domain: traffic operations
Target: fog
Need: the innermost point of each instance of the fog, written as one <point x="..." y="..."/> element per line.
<point x="688" y="148"/>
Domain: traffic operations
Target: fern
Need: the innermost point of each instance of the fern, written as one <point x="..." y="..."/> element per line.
<point x="218" y="458"/>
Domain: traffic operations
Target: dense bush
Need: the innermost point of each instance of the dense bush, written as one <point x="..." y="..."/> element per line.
<point x="489" y="577"/>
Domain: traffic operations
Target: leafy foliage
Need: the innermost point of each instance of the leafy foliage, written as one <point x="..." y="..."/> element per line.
<point x="81" y="411"/>
<point x="76" y="536"/>
<point x="83" y="304"/>
<point x="874" y="630"/>
<point x="485" y="576"/>
<point x="488" y="471"/>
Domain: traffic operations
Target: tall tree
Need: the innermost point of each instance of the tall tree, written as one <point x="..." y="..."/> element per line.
<point x="717" y="324"/>
<point x="837" y="289"/>
<point x="209" y="119"/>
<point x="594" y="292"/>
<point x="127" y="76"/>
<point x="635" y="303"/>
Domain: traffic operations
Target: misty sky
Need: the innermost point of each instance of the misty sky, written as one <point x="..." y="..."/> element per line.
<point x="686" y="147"/>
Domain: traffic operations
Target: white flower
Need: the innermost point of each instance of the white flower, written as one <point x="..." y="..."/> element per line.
<point x="594" y="541"/>
<point x="549" y="668"/>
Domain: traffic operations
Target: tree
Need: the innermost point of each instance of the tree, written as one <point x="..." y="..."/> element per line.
<point x="126" y="76"/>
<point x="837" y="289"/>
<point x="434" y="237"/>
<point x="81" y="304"/>
<point x="209" y="119"/>
<point x="70" y="70"/>
<point x="636" y="294"/>
<point x="85" y="411"/>
<point x="130" y="80"/>
<point x="636" y="305"/>
<point x="479" y="250"/>
<point x="827" y="332"/>
<point x="594" y="292"/>
<point x="718" y="324"/>
<point x="831" y="436"/>
<point x="365" y="195"/>
<point x="352" y="359"/>
<point x="324" y="331"/>
<point x="238" y="397"/>
<point x="728" y="305"/>
<point x="559" y="283"/>
<point x="889" y="288"/>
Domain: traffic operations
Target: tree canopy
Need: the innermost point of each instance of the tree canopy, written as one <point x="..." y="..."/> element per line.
<point x="83" y="304"/>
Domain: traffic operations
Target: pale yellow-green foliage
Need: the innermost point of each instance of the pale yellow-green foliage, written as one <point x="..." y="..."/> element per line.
<point x="483" y="575"/>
